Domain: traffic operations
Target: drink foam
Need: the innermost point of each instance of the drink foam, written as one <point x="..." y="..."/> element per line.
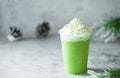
<point x="75" y="31"/>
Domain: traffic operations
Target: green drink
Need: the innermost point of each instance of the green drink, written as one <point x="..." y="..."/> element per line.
<point x="75" y="56"/>
<point x="75" y="38"/>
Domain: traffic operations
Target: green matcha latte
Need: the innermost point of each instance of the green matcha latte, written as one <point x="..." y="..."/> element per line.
<point x="75" y="38"/>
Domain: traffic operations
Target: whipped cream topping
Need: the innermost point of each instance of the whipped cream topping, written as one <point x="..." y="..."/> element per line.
<point x="75" y="31"/>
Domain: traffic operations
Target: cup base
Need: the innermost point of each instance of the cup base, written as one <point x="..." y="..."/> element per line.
<point x="76" y="73"/>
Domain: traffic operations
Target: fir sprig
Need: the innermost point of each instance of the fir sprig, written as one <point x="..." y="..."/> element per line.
<point x="113" y="24"/>
<point x="109" y="30"/>
<point x="108" y="73"/>
<point x="112" y="73"/>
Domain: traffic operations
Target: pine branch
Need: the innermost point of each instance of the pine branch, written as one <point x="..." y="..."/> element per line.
<point x="113" y="24"/>
<point x="108" y="73"/>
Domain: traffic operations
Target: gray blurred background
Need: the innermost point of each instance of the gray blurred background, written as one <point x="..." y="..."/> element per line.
<point x="42" y="58"/>
<point x="27" y="14"/>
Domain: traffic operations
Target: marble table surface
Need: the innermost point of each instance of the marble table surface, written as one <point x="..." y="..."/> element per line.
<point x="42" y="58"/>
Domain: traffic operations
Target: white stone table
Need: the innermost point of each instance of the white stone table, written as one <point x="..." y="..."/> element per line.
<point x="42" y="58"/>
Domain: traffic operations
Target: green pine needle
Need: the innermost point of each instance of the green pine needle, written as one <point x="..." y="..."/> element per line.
<point x="112" y="72"/>
<point x="113" y="24"/>
<point x="108" y="73"/>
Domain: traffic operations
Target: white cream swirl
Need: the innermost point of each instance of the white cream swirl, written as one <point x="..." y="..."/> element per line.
<point x="75" y="31"/>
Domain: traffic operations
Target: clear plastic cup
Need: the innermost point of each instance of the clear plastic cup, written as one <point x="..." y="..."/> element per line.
<point x="75" y="55"/>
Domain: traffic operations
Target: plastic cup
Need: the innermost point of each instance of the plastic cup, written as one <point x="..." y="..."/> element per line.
<point x="75" y="56"/>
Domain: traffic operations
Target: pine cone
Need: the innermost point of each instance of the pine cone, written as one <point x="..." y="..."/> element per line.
<point x="14" y="33"/>
<point x="43" y="29"/>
